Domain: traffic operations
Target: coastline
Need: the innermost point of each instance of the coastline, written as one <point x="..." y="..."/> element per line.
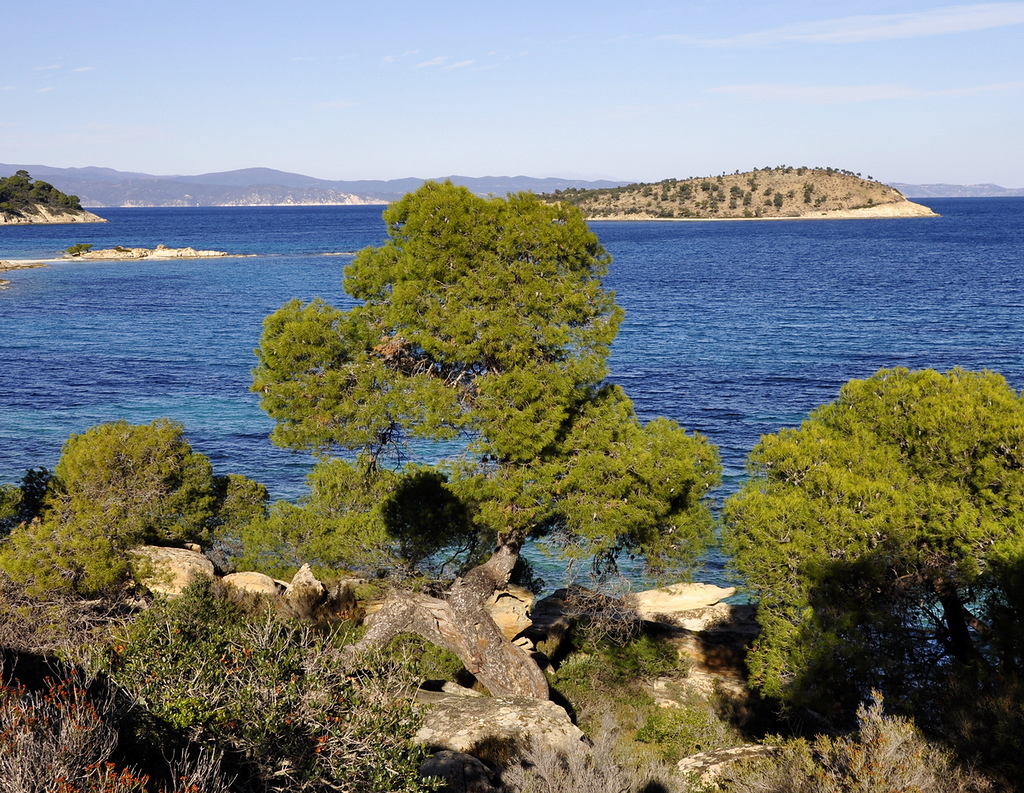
<point x="900" y="210"/>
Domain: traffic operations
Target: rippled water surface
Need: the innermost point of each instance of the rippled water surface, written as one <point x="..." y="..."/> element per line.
<point x="732" y="329"/>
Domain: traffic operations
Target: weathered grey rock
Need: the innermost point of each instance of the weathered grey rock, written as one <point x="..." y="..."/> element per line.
<point x="510" y="609"/>
<point x="709" y="767"/>
<point x="304" y="584"/>
<point x="304" y="594"/>
<point x="459" y="723"/>
<point x="167" y="571"/>
<point x="665" y="603"/>
<point x="254" y="583"/>
<point x="462" y="773"/>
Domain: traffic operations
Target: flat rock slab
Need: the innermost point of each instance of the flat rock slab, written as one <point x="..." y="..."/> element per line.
<point x="708" y="767"/>
<point x="459" y="723"/>
<point x="676" y="598"/>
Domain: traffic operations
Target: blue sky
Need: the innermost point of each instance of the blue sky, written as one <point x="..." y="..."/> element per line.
<point x="903" y="90"/>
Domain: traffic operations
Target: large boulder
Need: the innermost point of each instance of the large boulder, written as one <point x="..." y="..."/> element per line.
<point x="167" y="571"/>
<point x="510" y="609"/>
<point x="665" y="604"/>
<point x="304" y="594"/>
<point x="460" y="723"/>
<point x="253" y="583"/>
<point x="462" y="773"/>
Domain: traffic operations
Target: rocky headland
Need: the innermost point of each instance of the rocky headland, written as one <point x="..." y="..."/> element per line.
<point x="44" y="214"/>
<point x="23" y="200"/>
<point x="782" y="193"/>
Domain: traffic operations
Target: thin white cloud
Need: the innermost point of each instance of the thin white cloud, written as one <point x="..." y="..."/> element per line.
<point x="850" y="94"/>
<point x="440" y="60"/>
<point x="84" y="69"/>
<point x="458" y="65"/>
<point x="44" y="90"/>
<point x="881" y="27"/>
<point x="49" y="68"/>
<point x="387" y="60"/>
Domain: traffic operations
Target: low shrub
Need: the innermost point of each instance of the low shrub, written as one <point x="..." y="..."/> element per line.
<point x="278" y="699"/>
<point x="600" y="768"/>
<point x="887" y="753"/>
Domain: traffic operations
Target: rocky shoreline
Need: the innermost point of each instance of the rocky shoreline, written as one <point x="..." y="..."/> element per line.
<point x="897" y="209"/>
<point x="159" y="252"/>
<point x="46" y="215"/>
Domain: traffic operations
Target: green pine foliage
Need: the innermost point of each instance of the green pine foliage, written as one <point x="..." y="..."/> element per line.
<point x="481" y="324"/>
<point x="878" y="534"/>
<point x="117" y="486"/>
<point x="20" y="195"/>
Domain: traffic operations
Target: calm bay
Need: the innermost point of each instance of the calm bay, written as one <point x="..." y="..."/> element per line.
<point x="733" y="329"/>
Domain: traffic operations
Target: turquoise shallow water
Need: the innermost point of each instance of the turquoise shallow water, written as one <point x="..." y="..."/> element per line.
<point x="732" y="329"/>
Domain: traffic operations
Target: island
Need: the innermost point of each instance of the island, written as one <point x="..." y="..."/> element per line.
<point x="159" y="252"/>
<point x="778" y="193"/>
<point x="23" y="200"/>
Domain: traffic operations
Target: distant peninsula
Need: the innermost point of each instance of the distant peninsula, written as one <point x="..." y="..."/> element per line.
<point x="23" y="200"/>
<point x="783" y="192"/>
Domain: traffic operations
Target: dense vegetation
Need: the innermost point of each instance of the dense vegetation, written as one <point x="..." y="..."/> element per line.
<point x="783" y="191"/>
<point x="483" y="324"/>
<point x="20" y="195"/>
<point x="883" y="540"/>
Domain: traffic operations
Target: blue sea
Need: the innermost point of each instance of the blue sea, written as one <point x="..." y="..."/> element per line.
<point x="733" y="330"/>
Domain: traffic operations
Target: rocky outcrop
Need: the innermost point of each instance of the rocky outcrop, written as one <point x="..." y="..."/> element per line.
<point x="167" y="571"/>
<point x="462" y="773"/>
<point x="898" y="209"/>
<point x="159" y="252"/>
<point x="42" y="214"/>
<point x="708" y="768"/>
<point x="665" y="604"/>
<point x="459" y="723"/>
<point x="510" y="609"/>
<point x="254" y="584"/>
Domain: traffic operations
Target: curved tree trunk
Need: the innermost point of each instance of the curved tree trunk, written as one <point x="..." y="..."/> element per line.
<point x="460" y="623"/>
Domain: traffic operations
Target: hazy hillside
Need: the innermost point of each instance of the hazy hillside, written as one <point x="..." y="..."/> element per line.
<point x="957" y="190"/>
<point x="763" y="193"/>
<point x="100" y="187"/>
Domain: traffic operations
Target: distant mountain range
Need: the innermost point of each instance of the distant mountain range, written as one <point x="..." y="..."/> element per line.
<point x="105" y="187"/>
<point x="957" y="190"/>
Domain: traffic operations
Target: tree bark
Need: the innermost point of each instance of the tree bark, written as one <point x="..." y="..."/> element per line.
<point x="460" y="623"/>
<point x="955" y="616"/>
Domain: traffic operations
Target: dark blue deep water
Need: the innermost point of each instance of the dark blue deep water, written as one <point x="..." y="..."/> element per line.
<point x="732" y="329"/>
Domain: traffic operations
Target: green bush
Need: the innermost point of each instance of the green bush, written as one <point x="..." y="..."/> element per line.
<point x="117" y="486"/>
<point x="278" y="699"/>
<point x="676" y="733"/>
